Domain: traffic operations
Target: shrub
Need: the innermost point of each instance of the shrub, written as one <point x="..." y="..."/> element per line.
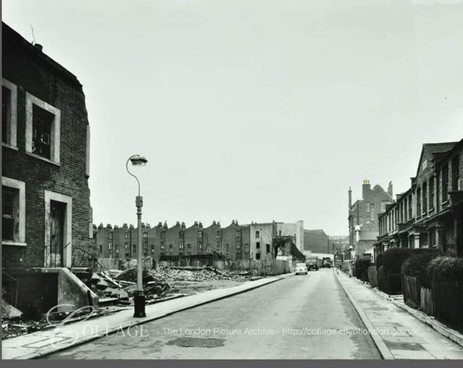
<point x="417" y="264"/>
<point x="446" y="269"/>
<point x="394" y="257"/>
<point x="361" y="268"/>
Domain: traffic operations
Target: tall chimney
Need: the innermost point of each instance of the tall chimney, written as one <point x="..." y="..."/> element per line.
<point x="390" y="189"/>
<point x="350" y="198"/>
<point x="366" y="188"/>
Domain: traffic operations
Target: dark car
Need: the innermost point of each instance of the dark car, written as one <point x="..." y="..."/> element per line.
<point x="312" y="265"/>
<point x="326" y="263"/>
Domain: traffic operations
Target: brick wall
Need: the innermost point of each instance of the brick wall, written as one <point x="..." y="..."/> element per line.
<point x="33" y="72"/>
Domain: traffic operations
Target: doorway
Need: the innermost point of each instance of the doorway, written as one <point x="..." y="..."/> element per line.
<point x="57" y="219"/>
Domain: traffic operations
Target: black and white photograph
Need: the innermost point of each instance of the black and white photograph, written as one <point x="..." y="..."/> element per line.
<point x="232" y="180"/>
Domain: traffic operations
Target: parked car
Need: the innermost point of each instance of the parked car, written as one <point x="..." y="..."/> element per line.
<point x="326" y="262"/>
<point x="301" y="269"/>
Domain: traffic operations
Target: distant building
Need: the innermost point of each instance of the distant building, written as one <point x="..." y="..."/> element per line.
<point x="316" y="241"/>
<point x="430" y="213"/>
<point x="339" y="243"/>
<point x="234" y="242"/>
<point x="363" y="217"/>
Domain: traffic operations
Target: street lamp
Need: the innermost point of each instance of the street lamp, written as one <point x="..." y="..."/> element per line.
<point x="139" y="297"/>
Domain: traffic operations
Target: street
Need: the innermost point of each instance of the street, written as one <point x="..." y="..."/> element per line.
<point x="299" y="317"/>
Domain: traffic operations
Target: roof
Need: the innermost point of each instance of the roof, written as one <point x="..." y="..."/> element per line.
<point x="316" y="231"/>
<point x="448" y="153"/>
<point x="434" y="148"/>
<point x="16" y="42"/>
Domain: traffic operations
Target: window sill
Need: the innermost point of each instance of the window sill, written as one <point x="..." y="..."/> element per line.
<point x="13" y="243"/>
<point x="43" y="159"/>
<point x="9" y="146"/>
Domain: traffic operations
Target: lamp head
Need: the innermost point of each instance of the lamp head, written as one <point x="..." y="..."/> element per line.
<point x="138" y="160"/>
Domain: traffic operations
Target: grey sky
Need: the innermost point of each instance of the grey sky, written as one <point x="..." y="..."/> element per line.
<point x="254" y="110"/>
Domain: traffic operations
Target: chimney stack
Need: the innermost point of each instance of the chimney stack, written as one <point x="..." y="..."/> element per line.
<point x="390" y="190"/>
<point x="366" y="188"/>
<point x="350" y="198"/>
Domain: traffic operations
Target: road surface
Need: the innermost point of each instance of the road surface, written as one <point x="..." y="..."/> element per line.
<point x="299" y="317"/>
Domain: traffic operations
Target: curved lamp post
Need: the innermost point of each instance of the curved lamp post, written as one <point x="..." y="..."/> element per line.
<point x="139" y="297"/>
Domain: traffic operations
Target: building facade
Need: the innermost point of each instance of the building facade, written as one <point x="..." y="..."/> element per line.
<point x="234" y="242"/>
<point x="430" y="213"/>
<point x="363" y="217"/>
<point x="46" y="213"/>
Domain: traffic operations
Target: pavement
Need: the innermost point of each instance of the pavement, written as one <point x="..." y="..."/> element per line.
<point x="298" y="317"/>
<point x="397" y="333"/>
<point x="41" y="343"/>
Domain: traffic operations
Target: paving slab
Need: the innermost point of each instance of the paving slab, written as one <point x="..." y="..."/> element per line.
<point x="398" y="334"/>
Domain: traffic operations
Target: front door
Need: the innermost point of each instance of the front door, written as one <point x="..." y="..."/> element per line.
<point x="57" y="213"/>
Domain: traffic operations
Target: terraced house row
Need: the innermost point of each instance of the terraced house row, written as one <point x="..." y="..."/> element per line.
<point x="234" y="242"/>
<point x="430" y="213"/>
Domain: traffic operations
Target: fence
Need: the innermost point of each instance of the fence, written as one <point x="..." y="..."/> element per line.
<point x="373" y="276"/>
<point x="257" y="267"/>
<point x="390" y="283"/>
<point x="426" y="303"/>
<point x="411" y="290"/>
<point x="447" y="298"/>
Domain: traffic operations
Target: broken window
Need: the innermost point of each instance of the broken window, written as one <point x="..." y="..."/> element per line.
<point x="10" y="214"/>
<point x="42" y="125"/>
<point x="126" y="235"/>
<point x="267" y="246"/>
<point x="145" y="234"/>
<point x="257" y="234"/>
<point x="257" y="255"/>
<point x="9" y="124"/>
<point x="257" y="245"/>
<point x="6" y="114"/>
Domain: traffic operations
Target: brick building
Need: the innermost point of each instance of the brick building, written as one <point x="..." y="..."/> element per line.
<point x="316" y="241"/>
<point x="363" y="217"/>
<point x="430" y="213"/>
<point x="234" y="242"/>
<point x="46" y="213"/>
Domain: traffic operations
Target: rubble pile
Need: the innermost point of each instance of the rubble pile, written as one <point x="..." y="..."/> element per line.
<point x="198" y="274"/>
<point x="121" y="285"/>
